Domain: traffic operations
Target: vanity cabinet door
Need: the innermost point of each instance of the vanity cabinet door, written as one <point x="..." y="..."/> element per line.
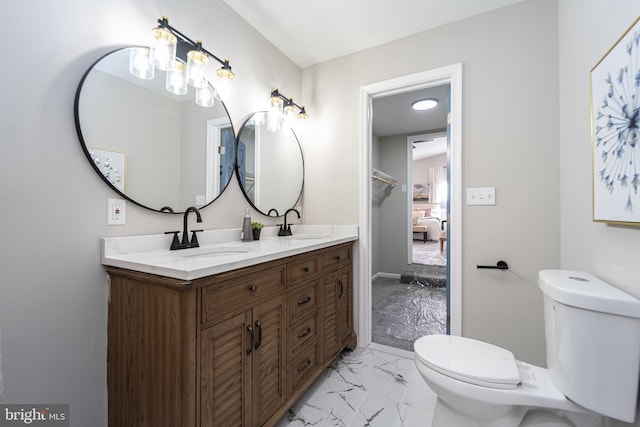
<point x="225" y="372"/>
<point x="336" y="310"/>
<point x="345" y="317"/>
<point x="330" y="341"/>
<point x="242" y="367"/>
<point x="269" y="359"/>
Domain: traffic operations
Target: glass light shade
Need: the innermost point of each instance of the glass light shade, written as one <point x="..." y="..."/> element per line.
<point x="225" y="73"/>
<point x="289" y="112"/>
<point x="274" y="118"/>
<point x="197" y="62"/>
<point x="223" y="87"/>
<point x="205" y="97"/>
<point x="177" y="79"/>
<point x="140" y="64"/>
<point x="276" y="102"/>
<point x="163" y="48"/>
<point x="303" y="114"/>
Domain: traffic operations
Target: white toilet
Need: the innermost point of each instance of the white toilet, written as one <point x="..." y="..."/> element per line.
<point x="592" y="334"/>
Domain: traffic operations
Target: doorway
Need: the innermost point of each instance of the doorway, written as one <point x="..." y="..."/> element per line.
<point x="450" y="75"/>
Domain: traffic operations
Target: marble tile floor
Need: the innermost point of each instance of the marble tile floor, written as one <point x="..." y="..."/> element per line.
<point x="377" y="386"/>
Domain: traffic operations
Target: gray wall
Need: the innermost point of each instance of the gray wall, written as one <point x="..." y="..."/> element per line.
<point x="421" y="167"/>
<point x="509" y="140"/>
<point x="515" y="137"/>
<point x="609" y="251"/>
<point x="53" y="295"/>
<point x="391" y="230"/>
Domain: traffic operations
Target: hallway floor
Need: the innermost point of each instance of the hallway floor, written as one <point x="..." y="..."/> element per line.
<point x="377" y="387"/>
<point x="404" y="312"/>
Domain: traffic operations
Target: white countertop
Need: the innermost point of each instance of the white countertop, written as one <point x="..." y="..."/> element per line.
<point x="219" y="251"/>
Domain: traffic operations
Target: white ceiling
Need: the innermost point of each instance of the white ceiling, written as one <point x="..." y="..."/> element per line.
<point x="310" y="32"/>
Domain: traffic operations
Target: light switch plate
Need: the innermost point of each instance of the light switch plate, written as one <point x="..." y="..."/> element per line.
<point x="481" y="196"/>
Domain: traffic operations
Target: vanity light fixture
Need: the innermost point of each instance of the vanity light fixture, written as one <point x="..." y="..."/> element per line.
<point x="283" y="107"/>
<point x="170" y="50"/>
<point x="424" y="104"/>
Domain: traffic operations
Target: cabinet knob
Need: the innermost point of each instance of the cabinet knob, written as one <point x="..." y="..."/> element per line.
<point x="306" y="269"/>
<point x="338" y="258"/>
<point x="253" y="288"/>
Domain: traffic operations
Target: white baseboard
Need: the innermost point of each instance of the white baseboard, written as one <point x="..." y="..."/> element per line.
<point x="387" y="275"/>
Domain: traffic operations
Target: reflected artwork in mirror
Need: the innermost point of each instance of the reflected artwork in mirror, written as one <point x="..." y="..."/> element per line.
<point x="270" y="166"/>
<point x="154" y="148"/>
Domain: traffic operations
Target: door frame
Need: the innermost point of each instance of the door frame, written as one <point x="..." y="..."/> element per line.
<point x="452" y="75"/>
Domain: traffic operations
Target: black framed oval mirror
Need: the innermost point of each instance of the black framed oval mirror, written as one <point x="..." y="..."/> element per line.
<point x="154" y="148"/>
<point x="270" y="166"/>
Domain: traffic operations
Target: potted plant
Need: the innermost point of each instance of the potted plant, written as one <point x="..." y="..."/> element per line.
<point x="256" y="228"/>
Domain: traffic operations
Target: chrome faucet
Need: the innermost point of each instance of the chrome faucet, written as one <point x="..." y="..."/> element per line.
<point x="176" y="244"/>
<point x="285" y="230"/>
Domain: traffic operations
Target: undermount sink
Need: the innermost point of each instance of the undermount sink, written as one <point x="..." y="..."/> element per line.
<point x="309" y="236"/>
<point x="219" y="251"/>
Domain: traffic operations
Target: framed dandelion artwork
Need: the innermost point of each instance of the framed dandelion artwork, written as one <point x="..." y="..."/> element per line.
<point x="615" y="130"/>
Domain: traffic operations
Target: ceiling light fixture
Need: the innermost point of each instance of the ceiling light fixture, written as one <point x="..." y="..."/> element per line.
<point x="169" y="51"/>
<point x="424" y="104"/>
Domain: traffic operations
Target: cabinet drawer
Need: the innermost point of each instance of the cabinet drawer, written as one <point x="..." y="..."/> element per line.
<point x="241" y="292"/>
<point x="303" y="364"/>
<point x="303" y="300"/>
<point x="335" y="256"/>
<point x="300" y="269"/>
<point x="304" y="331"/>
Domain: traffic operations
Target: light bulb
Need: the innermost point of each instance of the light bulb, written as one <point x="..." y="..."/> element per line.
<point x="225" y="72"/>
<point x="197" y="62"/>
<point x="223" y="87"/>
<point x="163" y="48"/>
<point x="205" y="97"/>
<point x="140" y="64"/>
<point x="177" y="79"/>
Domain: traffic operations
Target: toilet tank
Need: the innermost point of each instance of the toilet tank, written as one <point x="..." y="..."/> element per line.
<point x="592" y="332"/>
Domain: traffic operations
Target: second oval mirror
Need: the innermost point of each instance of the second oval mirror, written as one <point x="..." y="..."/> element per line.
<point x="270" y="165"/>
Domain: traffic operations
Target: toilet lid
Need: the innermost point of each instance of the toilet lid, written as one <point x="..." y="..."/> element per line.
<point x="469" y="360"/>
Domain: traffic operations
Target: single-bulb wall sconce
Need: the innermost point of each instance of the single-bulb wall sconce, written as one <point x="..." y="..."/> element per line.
<point x="283" y="108"/>
<point x="184" y="61"/>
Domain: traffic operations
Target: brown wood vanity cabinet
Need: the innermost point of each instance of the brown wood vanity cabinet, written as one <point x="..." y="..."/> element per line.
<point x="233" y="349"/>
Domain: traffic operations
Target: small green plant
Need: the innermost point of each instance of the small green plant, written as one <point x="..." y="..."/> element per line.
<point x="256" y="225"/>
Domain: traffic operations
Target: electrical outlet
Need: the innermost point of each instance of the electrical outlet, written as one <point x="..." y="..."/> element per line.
<point x="116" y="212"/>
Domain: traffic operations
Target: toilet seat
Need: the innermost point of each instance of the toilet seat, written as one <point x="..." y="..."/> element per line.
<point x="468" y="360"/>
